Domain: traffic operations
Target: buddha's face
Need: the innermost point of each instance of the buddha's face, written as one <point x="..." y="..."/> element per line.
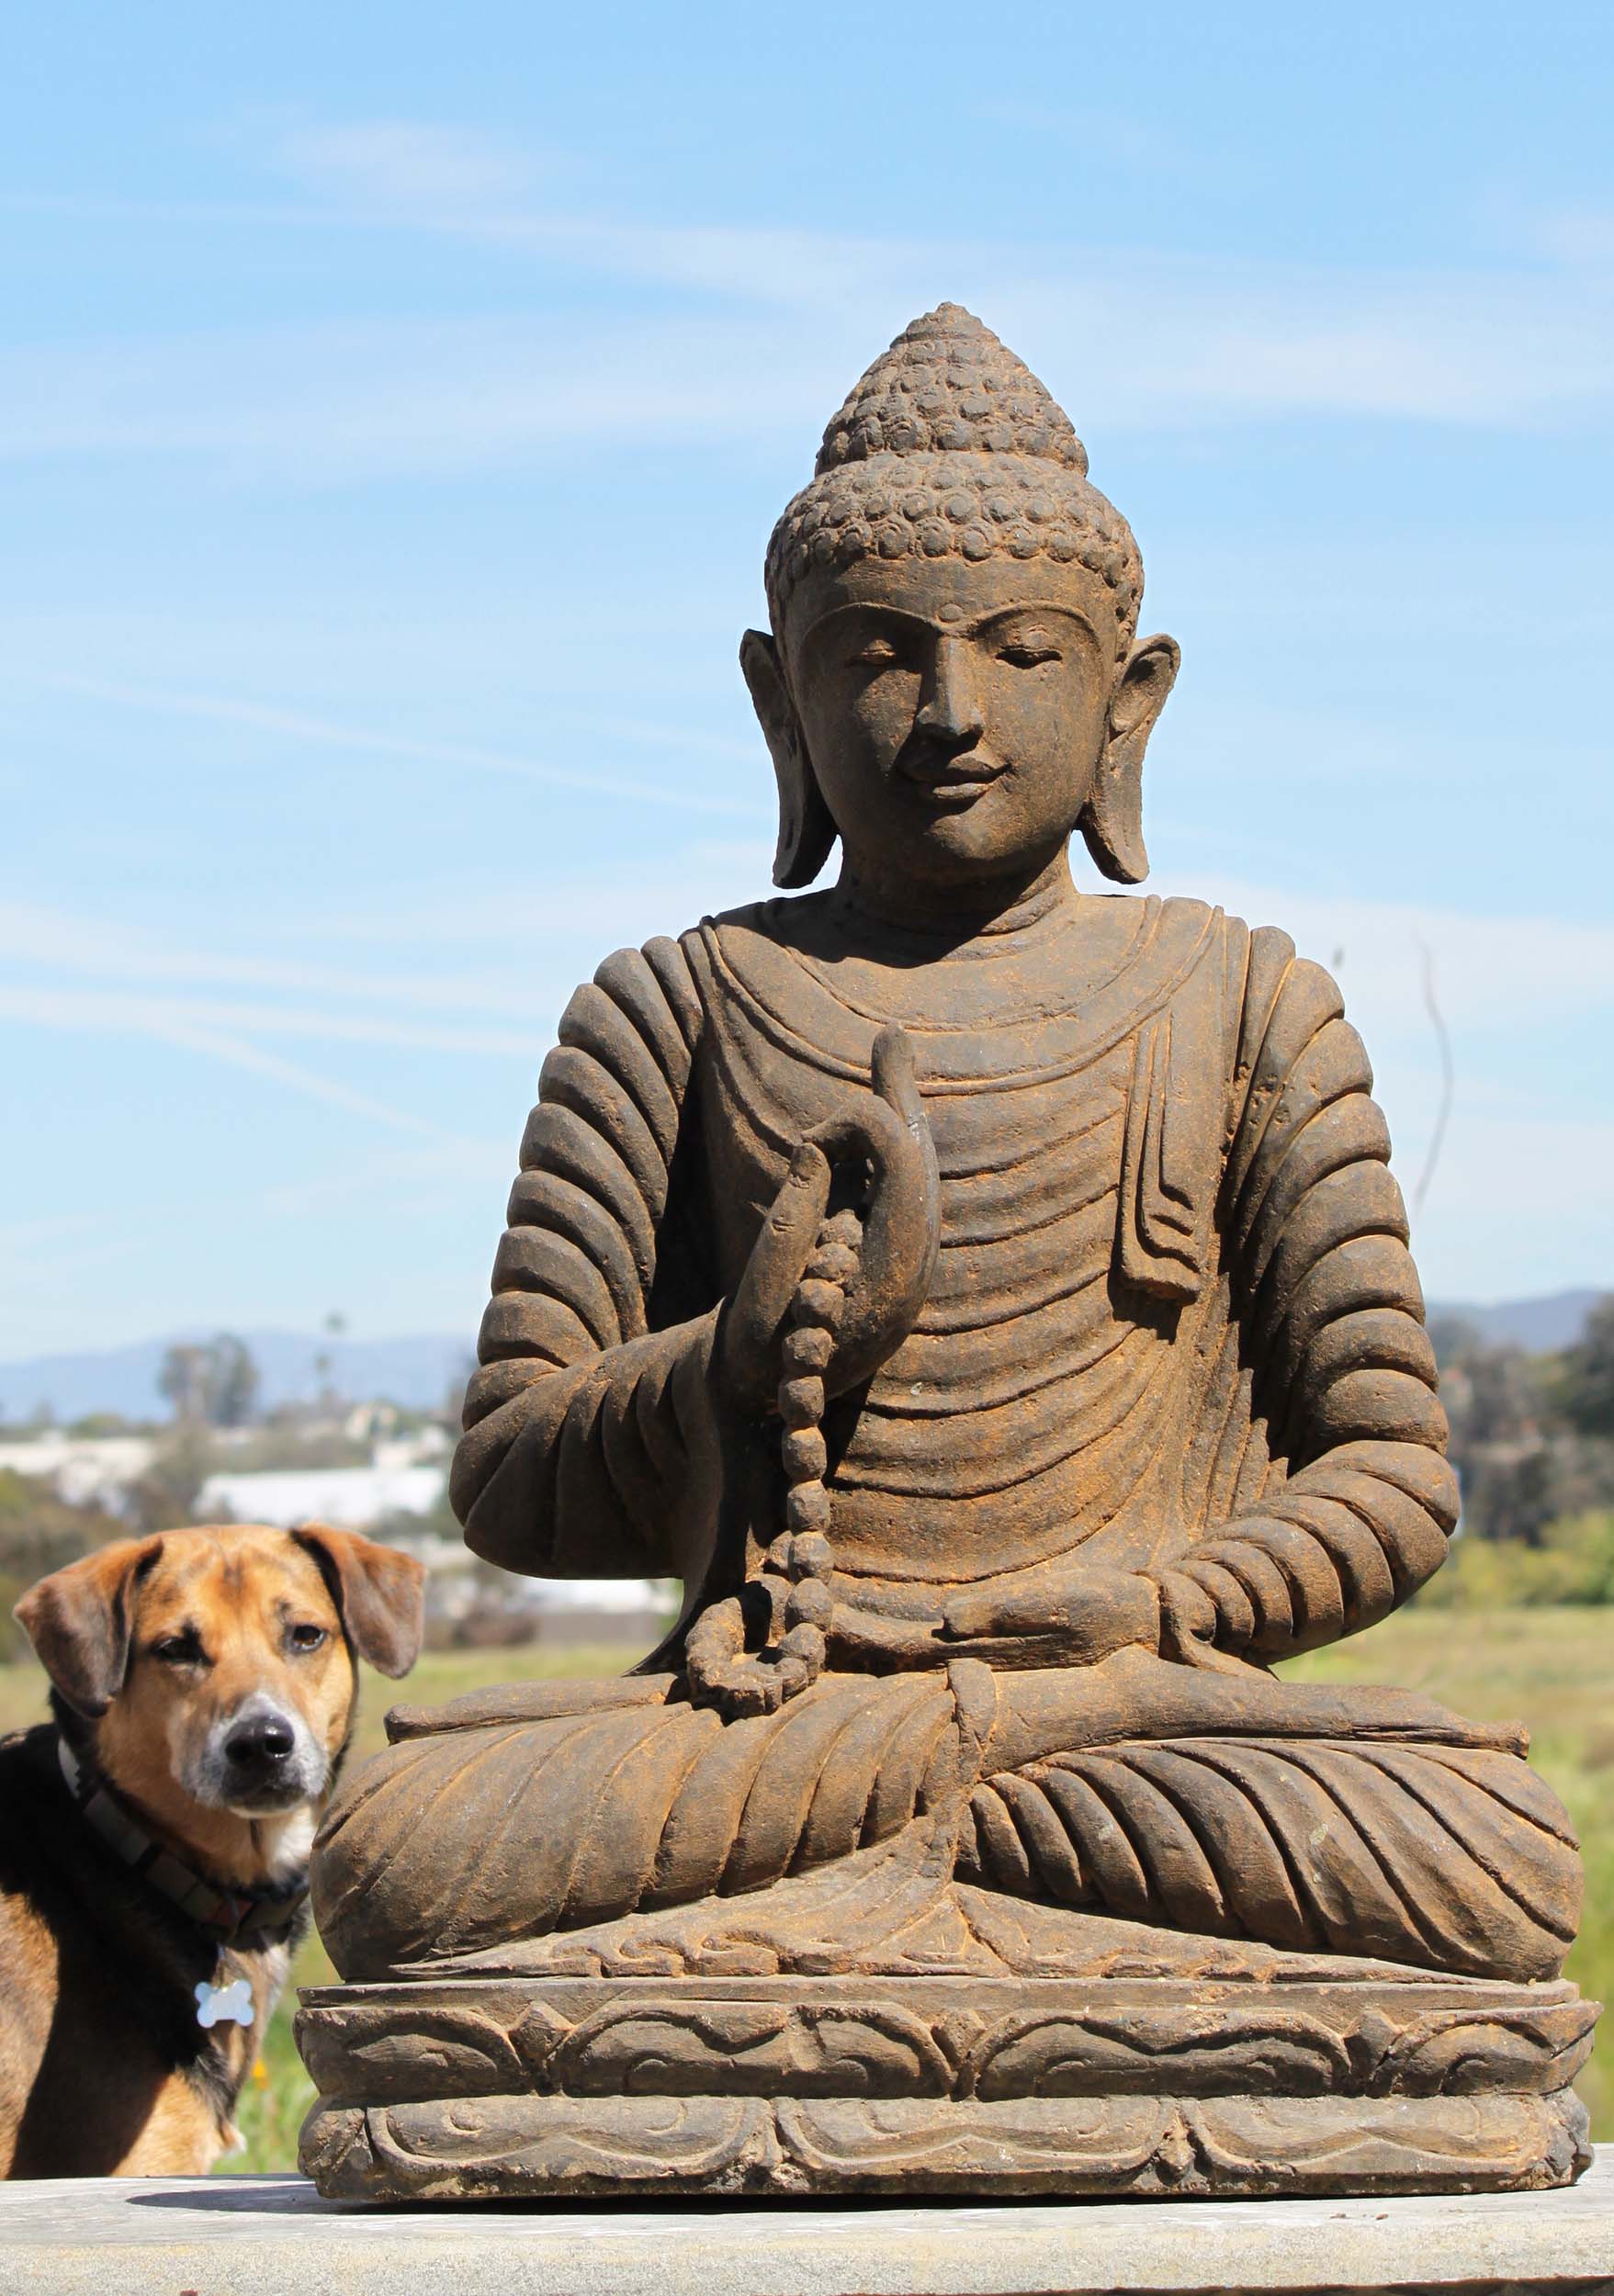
<point x="956" y="715"/>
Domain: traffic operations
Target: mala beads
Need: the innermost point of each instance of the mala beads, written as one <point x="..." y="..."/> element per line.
<point x="721" y="1672"/>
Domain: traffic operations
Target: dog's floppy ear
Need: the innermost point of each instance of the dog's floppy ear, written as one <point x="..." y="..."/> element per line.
<point x="380" y="1594"/>
<point x="78" y="1621"/>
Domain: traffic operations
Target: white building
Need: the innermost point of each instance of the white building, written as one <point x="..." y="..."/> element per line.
<point x="350" y="1497"/>
<point x="85" y="1470"/>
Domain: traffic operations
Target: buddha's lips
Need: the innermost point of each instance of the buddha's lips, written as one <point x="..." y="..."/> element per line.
<point x="955" y="781"/>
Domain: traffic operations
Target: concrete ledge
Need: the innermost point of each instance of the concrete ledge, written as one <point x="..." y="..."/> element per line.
<point x="274" y="2236"/>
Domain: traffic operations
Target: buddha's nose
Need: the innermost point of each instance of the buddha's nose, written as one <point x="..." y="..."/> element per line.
<point x="950" y="708"/>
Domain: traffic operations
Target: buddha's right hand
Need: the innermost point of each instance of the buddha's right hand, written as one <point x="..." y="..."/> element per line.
<point x="886" y="1134"/>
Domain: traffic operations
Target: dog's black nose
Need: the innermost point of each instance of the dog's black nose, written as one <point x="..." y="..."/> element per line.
<point x="260" y="1741"/>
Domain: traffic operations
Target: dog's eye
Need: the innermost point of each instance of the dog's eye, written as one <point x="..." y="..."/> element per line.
<point x="180" y="1649"/>
<point x="307" y="1637"/>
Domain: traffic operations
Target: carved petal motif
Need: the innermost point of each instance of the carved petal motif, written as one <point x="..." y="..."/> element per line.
<point x="1459" y="2053"/>
<point x="383" y="2053"/>
<point x="1366" y="2147"/>
<point x="1213" y="2051"/>
<point x="753" y="2048"/>
<point x="506" y="2144"/>
<point x="1115" y="2137"/>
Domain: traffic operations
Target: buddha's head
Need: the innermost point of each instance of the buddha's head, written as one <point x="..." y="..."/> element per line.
<point x="954" y="684"/>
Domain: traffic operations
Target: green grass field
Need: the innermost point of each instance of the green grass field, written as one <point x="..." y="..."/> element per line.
<point x="1552" y="1667"/>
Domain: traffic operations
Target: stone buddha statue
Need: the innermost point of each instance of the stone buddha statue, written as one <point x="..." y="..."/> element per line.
<point x="991" y="1299"/>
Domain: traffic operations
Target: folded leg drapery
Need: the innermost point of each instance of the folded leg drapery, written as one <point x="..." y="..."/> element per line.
<point x="1317" y="1820"/>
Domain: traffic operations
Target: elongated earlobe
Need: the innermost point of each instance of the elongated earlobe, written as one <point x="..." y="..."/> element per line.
<point x="806" y="829"/>
<point x="1113" y="820"/>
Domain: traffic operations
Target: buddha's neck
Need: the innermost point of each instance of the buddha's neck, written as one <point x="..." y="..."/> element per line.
<point x="952" y="913"/>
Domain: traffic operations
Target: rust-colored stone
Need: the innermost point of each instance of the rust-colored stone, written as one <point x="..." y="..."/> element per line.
<point x="993" y="1302"/>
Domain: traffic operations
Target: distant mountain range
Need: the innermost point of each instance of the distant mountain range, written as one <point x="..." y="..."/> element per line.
<point x="418" y="1372"/>
<point x="1556" y="1318"/>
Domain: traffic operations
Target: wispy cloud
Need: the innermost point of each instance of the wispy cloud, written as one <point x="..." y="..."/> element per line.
<point x="1515" y="1155"/>
<point x="755" y="332"/>
<point x="422" y="166"/>
<point x="1496" y="972"/>
<point x="389" y="1178"/>
<point x="24" y="1239"/>
<point x="111" y="1011"/>
<point x="295" y="725"/>
<point x="230" y="1032"/>
<point x="1153" y="348"/>
<point x="205" y="1030"/>
<point x="65" y="941"/>
<point x="1576" y="235"/>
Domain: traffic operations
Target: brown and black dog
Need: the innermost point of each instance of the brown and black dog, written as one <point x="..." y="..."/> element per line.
<point x="154" y="1836"/>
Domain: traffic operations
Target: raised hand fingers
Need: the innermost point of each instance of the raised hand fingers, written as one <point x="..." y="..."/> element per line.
<point x="761" y="1301"/>
<point x="902" y="1232"/>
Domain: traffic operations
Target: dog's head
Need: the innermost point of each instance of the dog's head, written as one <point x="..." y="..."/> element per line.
<point x="218" y="1665"/>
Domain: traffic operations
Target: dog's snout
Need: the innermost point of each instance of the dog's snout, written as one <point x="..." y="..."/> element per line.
<point x="260" y="1757"/>
<point x="261" y="1740"/>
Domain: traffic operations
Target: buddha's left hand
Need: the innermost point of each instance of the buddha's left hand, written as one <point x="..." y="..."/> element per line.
<point x="1081" y="1611"/>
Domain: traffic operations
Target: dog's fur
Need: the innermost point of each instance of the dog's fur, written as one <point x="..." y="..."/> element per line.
<point x="207" y="1678"/>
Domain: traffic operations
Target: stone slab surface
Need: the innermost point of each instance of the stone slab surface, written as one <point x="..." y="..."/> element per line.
<point x="273" y="2236"/>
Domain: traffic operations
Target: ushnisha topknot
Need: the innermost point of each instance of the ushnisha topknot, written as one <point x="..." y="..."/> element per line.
<point x="949" y="446"/>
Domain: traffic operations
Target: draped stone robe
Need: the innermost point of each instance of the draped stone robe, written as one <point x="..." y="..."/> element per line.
<point x="1174" y="1328"/>
<point x="1174" y="1309"/>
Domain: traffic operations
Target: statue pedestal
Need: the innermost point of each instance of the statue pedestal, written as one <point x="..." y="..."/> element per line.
<point x="508" y="2088"/>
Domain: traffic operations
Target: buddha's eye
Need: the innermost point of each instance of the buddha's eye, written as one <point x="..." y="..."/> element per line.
<point x="1030" y="651"/>
<point x="874" y="653"/>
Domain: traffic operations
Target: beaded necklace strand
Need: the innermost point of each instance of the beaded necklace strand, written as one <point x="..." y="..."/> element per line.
<point x="721" y="1672"/>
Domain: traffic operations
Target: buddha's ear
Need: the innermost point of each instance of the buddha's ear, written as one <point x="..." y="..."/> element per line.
<point x="806" y="829"/>
<point x="1113" y="820"/>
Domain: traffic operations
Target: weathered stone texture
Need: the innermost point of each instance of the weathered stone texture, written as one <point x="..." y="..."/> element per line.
<point x="994" y="1303"/>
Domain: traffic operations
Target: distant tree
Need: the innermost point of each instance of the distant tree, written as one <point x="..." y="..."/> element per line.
<point x="329" y="1398"/>
<point x="181" y="1381"/>
<point x="1493" y="1393"/>
<point x="1586" y="1383"/>
<point x="1532" y="1437"/>
<point x="232" y="1381"/>
<point x="214" y="1384"/>
<point x="1453" y="1337"/>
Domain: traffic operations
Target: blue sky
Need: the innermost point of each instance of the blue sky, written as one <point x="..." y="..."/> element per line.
<point x="393" y="409"/>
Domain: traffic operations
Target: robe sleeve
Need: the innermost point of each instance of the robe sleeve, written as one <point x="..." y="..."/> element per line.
<point x="1357" y="1508"/>
<point x="591" y="1446"/>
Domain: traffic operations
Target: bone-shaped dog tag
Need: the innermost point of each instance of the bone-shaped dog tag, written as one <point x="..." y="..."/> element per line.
<point x="224" y="2004"/>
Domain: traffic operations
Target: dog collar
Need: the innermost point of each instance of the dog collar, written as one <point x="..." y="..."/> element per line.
<point x="240" y="1917"/>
